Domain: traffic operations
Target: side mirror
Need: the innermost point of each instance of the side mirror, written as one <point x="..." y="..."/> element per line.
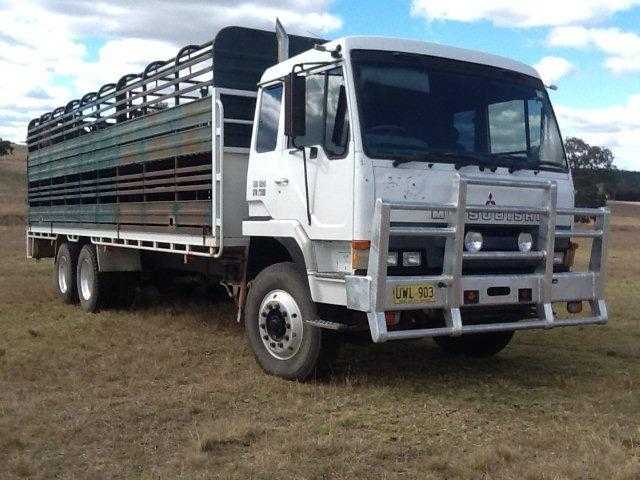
<point x="295" y="98"/>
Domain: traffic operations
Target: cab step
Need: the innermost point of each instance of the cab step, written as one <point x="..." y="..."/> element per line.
<point x="328" y="325"/>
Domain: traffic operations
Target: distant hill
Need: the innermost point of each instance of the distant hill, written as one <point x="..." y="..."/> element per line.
<point x="17" y="160"/>
<point x="13" y="172"/>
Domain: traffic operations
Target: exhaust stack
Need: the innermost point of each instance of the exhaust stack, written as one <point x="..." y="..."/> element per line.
<point x="283" y="41"/>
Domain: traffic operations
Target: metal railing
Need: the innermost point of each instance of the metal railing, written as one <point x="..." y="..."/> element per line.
<point x="374" y="294"/>
<point x="195" y="245"/>
<point x="163" y="84"/>
<point x="218" y="121"/>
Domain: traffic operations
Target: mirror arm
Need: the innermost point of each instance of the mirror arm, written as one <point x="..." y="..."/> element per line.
<point x="306" y="181"/>
<point x="295" y="118"/>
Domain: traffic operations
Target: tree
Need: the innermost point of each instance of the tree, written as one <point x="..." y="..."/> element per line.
<point x="581" y="155"/>
<point x="593" y="172"/>
<point x="5" y="147"/>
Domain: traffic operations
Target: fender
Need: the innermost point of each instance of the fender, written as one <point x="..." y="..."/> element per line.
<point x="323" y="289"/>
<point x="281" y="230"/>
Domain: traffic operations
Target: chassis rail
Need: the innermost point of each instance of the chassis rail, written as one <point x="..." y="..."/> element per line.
<point x="374" y="293"/>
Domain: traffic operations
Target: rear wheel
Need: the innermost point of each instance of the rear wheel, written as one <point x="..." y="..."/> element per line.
<point x="475" y="345"/>
<point x="278" y="303"/>
<point x="64" y="273"/>
<point x="92" y="285"/>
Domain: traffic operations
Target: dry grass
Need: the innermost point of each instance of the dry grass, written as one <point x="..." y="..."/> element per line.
<point x="12" y="186"/>
<point x="170" y="390"/>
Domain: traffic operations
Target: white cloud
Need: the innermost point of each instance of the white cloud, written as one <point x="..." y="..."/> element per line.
<point x="622" y="48"/>
<point x="34" y="48"/>
<point x="43" y="43"/>
<point x="521" y="13"/>
<point x="117" y="58"/>
<point x="573" y="36"/>
<point x="552" y="69"/>
<point x="623" y="64"/>
<point x="616" y="127"/>
<point x="192" y="21"/>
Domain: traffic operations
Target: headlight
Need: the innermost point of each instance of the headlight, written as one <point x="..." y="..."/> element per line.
<point x="473" y="242"/>
<point x="392" y="259"/>
<point x="411" y="259"/>
<point x="525" y="242"/>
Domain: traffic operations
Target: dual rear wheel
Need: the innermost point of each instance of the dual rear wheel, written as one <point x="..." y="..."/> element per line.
<point x="65" y="270"/>
<point x="77" y="279"/>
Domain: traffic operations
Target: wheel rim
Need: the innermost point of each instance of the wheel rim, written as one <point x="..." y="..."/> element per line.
<point x="86" y="280"/>
<point x="280" y="324"/>
<point x="63" y="268"/>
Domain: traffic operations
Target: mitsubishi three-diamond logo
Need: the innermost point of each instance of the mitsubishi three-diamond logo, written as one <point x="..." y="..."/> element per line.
<point x="491" y="202"/>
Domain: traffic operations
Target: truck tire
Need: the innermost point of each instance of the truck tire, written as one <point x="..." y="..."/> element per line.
<point x="92" y="285"/>
<point x="64" y="273"/>
<point x="278" y="302"/>
<point x="475" y="345"/>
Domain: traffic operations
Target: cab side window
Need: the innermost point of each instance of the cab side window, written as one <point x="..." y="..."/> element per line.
<point x="269" y="119"/>
<point x="327" y="120"/>
<point x="336" y="135"/>
<point x="315" y="86"/>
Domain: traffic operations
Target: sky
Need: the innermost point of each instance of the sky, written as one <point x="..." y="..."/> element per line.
<point x="52" y="51"/>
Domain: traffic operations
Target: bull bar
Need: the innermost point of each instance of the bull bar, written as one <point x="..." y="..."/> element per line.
<point x="373" y="293"/>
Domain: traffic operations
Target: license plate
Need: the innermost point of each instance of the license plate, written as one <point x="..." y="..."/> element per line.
<point x="417" y="293"/>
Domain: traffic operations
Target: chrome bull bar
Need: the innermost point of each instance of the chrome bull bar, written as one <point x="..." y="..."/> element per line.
<point x="373" y="293"/>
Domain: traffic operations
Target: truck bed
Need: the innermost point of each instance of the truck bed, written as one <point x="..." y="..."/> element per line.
<point x="149" y="175"/>
<point x="159" y="157"/>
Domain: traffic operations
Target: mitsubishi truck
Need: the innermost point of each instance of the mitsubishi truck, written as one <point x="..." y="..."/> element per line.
<point x="363" y="187"/>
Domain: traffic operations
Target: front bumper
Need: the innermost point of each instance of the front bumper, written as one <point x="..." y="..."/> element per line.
<point x="374" y="293"/>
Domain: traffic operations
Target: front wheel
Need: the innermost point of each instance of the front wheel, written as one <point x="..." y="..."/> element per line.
<point x="475" y="345"/>
<point x="278" y="303"/>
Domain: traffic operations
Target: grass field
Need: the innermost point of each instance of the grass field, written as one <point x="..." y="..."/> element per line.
<point x="169" y="389"/>
<point x="13" y="187"/>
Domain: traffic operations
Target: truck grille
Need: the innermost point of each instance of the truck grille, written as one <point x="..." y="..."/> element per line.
<point x="497" y="238"/>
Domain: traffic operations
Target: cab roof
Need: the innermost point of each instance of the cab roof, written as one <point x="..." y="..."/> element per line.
<point x="400" y="45"/>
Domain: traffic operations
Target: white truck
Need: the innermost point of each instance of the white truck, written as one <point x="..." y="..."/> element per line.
<point x="379" y="187"/>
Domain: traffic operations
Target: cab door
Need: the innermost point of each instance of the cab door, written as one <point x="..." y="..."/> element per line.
<point x="265" y="178"/>
<point x="329" y="160"/>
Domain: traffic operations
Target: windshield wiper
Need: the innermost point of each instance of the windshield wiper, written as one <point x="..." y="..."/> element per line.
<point x="551" y="165"/>
<point x="466" y="159"/>
<point x="399" y="160"/>
<point x="460" y="159"/>
<point x="514" y="162"/>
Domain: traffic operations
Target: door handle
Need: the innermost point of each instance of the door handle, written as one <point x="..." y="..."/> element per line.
<point x="282" y="181"/>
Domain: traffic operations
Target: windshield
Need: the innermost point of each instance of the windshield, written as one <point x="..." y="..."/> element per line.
<point x="418" y="107"/>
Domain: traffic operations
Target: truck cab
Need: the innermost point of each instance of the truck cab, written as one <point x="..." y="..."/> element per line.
<point x="424" y="186"/>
